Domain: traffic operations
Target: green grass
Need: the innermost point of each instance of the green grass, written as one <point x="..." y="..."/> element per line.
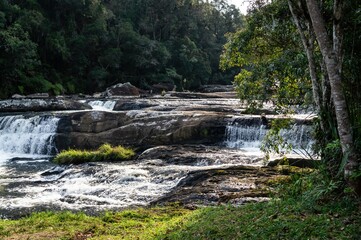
<point x="131" y="224"/>
<point x="282" y="219"/>
<point x="273" y="220"/>
<point x="105" y="153"/>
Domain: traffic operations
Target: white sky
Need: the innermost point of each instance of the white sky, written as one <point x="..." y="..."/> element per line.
<point x="241" y="4"/>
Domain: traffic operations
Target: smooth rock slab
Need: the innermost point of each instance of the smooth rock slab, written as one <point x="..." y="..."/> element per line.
<point x="39" y="105"/>
<point x="234" y="185"/>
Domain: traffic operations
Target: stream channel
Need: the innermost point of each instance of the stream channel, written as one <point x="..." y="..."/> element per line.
<point x="199" y="151"/>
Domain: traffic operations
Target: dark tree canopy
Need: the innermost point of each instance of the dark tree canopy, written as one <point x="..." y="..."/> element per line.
<point x="73" y="46"/>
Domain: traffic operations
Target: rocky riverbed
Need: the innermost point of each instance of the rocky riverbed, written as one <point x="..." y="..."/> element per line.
<point x="182" y="139"/>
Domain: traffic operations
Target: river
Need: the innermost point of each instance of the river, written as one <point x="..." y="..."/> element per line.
<point x="29" y="181"/>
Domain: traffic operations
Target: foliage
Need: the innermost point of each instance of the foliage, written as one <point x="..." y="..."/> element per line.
<point x="332" y="156"/>
<point x="273" y="65"/>
<point x="274" y="142"/>
<point x="85" y="46"/>
<point x="104" y="153"/>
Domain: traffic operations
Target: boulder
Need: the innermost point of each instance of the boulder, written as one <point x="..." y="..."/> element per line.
<point x="121" y="89"/>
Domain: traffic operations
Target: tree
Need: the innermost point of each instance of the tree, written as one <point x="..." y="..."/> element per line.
<point x="332" y="54"/>
<point x="84" y="46"/>
<point x="321" y="32"/>
<point x="273" y="67"/>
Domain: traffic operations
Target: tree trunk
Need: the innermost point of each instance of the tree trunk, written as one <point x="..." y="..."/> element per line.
<point x="320" y="89"/>
<point x="308" y="44"/>
<point x="333" y="66"/>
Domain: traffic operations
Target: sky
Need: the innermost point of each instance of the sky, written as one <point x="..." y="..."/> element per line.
<point x="241" y="4"/>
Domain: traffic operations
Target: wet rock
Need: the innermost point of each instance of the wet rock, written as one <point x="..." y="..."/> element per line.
<point x="160" y="87"/>
<point x="54" y="171"/>
<point x="199" y="155"/>
<point x="296" y="162"/>
<point x="234" y="185"/>
<point x="216" y="88"/>
<point x="36" y="105"/>
<point x="97" y="95"/>
<point x="18" y="96"/>
<point x="196" y="95"/>
<point x="121" y="89"/>
<point x="130" y="104"/>
<point x="38" y="96"/>
<point x="88" y="130"/>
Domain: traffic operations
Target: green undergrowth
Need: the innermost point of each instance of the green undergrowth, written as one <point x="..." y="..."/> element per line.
<point x="301" y="210"/>
<point x="105" y="153"/>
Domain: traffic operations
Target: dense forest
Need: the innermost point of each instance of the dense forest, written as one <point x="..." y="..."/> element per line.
<point x="69" y="46"/>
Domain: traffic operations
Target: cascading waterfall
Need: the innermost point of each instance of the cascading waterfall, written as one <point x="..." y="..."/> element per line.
<point x="245" y="137"/>
<point x="299" y="136"/>
<point x="239" y="136"/>
<point x="102" y="105"/>
<point x="34" y="135"/>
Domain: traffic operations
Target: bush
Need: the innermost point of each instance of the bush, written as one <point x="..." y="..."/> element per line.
<point x="332" y="157"/>
<point x="105" y="153"/>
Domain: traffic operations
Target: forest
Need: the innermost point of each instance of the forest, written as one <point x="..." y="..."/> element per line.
<point x="85" y="46"/>
<point x="183" y="163"/>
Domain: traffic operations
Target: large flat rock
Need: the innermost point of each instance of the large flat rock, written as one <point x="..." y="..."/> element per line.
<point x="41" y="105"/>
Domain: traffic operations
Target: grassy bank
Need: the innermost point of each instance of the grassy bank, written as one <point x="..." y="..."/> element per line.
<point x="305" y="206"/>
<point x="274" y="220"/>
<point x="105" y="153"/>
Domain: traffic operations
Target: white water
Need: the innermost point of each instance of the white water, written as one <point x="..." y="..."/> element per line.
<point x="244" y="137"/>
<point x="101" y="185"/>
<point x="110" y="186"/>
<point x="21" y="136"/>
<point x="102" y="105"/>
<point x="250" y="137"/>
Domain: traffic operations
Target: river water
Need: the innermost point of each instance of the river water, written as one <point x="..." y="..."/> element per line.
<point x="30" y="181"/>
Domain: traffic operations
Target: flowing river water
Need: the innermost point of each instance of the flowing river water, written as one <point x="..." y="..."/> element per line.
<point x="30" y="181"/>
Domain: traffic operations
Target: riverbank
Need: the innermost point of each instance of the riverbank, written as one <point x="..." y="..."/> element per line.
<point x="281" y="219"/>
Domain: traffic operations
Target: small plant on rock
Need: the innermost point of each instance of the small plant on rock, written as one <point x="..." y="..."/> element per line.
<point x="105" y="153"/>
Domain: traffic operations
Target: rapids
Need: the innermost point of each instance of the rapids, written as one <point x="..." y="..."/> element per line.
<point x="29" y="181"/>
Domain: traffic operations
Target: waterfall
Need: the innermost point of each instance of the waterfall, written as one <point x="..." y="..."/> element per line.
<point x="102" y="105"/>
<point x="299" y="136"/>
<point x="242" y="136"/>
<point x="34" y="135"/>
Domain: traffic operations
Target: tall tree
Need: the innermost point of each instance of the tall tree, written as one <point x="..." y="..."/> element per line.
<point x="331" y="50"/>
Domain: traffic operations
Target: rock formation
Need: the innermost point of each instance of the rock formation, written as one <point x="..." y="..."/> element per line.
<point x="41" y="105"/>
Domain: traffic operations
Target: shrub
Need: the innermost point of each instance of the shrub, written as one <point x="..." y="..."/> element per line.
<point x="104" y="153"/>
